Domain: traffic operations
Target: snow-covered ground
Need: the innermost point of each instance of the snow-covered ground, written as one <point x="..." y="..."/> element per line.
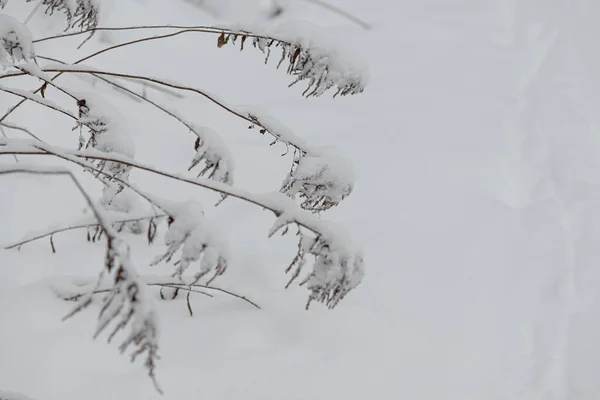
<point x="476" y="145"/>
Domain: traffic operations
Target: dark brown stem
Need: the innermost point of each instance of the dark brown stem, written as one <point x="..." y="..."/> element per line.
<point x="189" y="305"/>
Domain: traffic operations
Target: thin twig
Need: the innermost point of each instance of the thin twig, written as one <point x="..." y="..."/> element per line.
<point x="60" y="171"/>
<point x="20" y="128"/>
<point x="173" y="34"/>
<point x="199" y="28"/>
<point x="340" y="12"/>
<point x="13" y="108"/>
<point x="189" y="305"/>
<point x="207" y="184"/>
<point x="305" y="220"/>
<point x="52" y="244"/>
<point x="6" y="137"/>
<point x="180" y="286"/>
<point x="137" y="96"/>
<point x="40" y="101"/>
<point x="218" y="289"/>
<point x="74" y="227"/>
<point x="302" y="147"/>
<point x="49" y="82"/>
<point x="31" y="14"/>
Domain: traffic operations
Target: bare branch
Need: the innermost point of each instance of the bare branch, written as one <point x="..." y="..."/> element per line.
<point x="89" y="224"/>
<point x="6" y="137"/>
<point x="20" y="128"/>
<point x="163" y="282"/>
<point x="37" y="99"/>
<point x="189" y="28"/>
<point x="340" y="12"/>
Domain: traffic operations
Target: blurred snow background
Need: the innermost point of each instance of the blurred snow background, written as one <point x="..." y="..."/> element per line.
<point x="477" y="204"/>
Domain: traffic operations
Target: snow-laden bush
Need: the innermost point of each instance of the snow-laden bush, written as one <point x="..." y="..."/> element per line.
<point x="320" y="177"/>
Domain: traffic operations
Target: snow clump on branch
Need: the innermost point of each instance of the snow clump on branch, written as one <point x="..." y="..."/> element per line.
<point x="212" y="150"/>
<point x="321" y="176"/>
<point x="15" y="42"/>
<point x="323" y="180"/>
<point x="190" y="231"/>
<point x="338" y="267"/>
<point x="108" y="132"/>
<point x="310" y="57"/>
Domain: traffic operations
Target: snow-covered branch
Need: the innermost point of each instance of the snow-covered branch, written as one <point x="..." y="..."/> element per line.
<point x="309" y="55"/>
<point x="333" y="249"/>
<point x="197" y="238"/>
<point x="75" y="288"/>
<point x="322" y="180"/>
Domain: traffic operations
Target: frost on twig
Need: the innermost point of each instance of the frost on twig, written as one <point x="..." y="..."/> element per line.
<point x="15" y="42"/>
<point x="338" y="262"/>
<point x="191" y="233"/>
<point x="309" y="58"/>
<point x="217" y="161"/>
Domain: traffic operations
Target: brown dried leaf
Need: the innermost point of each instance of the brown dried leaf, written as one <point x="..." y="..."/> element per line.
<point x="222" y="41"/>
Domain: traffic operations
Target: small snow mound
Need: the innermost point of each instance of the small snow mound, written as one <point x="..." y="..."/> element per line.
<point x="212" y="150"/>
<point x="323" y="63"/>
